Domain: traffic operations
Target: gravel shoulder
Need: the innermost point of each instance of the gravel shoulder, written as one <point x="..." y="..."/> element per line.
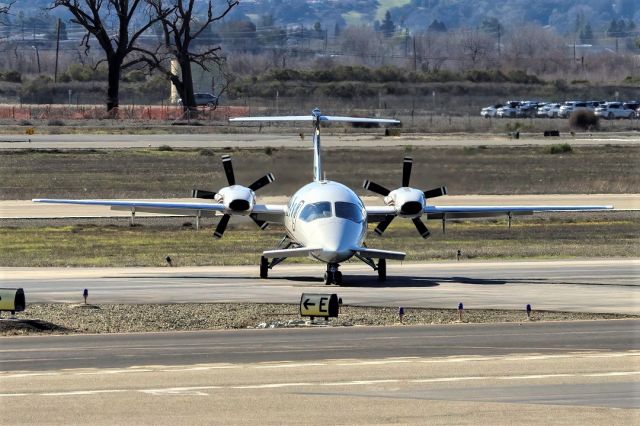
<point x="126" y="318"/>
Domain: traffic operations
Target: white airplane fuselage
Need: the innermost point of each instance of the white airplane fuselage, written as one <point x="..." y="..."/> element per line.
<point x="327" y="217"/>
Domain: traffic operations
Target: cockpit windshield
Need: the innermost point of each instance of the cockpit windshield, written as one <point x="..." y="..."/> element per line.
<point x="349" y="211"/>
<point x="314" y="211"/>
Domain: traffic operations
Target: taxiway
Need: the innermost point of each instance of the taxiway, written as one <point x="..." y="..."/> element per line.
<point x="597" y="285"/>
<point x="570" y="373"/>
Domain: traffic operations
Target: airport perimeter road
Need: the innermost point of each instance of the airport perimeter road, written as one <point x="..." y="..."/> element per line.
<point x="289" y="139"/>
<point x="596" y="285"/>
<point x="532" y="373"/>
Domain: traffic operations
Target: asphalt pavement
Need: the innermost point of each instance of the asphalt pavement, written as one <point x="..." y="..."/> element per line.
<point x="593" y="285"/>
<point x="531" y="373"/>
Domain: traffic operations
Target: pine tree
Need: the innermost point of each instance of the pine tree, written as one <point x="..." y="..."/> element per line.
<point x="387" y="27"/>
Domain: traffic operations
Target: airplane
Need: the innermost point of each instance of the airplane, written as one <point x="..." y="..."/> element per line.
<point x="324" y="220"/>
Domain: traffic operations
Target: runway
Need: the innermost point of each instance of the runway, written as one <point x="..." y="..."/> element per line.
<point x="597" y="285"/>
<point x="291" y="139"/>
<point x="532" y="373"/>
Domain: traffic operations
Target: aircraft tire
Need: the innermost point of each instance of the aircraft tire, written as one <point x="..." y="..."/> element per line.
<point x="328" y="278"/>
<point x="264" y="267"/>
<point x="338" y="278"/>
<point x="382" y="270"/>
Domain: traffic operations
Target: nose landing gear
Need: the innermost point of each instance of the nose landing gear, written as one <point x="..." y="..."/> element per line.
<point x="332" y="276"/>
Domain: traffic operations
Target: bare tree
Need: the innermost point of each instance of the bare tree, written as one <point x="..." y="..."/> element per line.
<point x="181" y="27"/>
<point x="476" y="46"/>
<point x="361" y="42"/>
<point x="96" y="16"/>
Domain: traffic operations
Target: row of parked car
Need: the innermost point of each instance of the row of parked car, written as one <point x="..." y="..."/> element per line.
<point x="519" y="109"/>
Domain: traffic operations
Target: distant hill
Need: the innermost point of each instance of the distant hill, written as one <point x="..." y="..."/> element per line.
<point x="564" y="16"/>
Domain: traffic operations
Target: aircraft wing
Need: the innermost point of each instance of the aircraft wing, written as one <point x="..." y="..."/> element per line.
<point x="453" y="212"/>
<point x="267" y="212"/>
<point x="378" y="213"/>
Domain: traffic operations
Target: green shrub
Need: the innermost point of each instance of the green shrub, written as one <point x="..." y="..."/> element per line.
<point x="519" y="76"/>
<point x="559" y="148"/>
<point x="39" y="90"/>
<point x="55" y="122"/>
<point x="584" y="120"/>
<point x="12" y="76"/>
<point x="206" y="152"/>
<point x="135" y="76"/>
<point x="165" y="148"/>
<point x="156" y="88"/>
<point x="561" y="85"/>
<point x="80" y="72"/>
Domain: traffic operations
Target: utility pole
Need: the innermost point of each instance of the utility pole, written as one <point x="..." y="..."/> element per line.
<point x="38" y="58"/>
<point x="55" y="74"/>
<point x="499" y="44"/>
<point x="415" y="57"/>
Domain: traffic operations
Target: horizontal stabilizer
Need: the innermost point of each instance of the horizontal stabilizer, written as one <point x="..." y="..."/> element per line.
<point x="294" y="252"/>
<point x="320" y="117"/>
<point x="379" y="254"/>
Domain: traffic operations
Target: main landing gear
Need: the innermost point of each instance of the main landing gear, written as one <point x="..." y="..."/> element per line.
<point x="382" y="269"/>
<point x="332" y="276"/>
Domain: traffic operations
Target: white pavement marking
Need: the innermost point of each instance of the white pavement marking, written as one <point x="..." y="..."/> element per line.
<point x="198" y="390"/>
<point x="82" y="392"/>
<point x="332" y="363"/>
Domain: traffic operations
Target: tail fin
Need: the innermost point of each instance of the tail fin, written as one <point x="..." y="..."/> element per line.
<point x="316" y="117"/>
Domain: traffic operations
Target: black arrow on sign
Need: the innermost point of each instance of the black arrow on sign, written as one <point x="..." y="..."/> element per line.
<point x="306" y="304"/>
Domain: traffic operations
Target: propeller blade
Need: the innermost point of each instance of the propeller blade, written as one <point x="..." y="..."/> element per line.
<point x="261" y="223"/>
<point x="383" y="225"/>
<point x="436" y="192"/>
<point x="264" y="180"/>
<point x="222" y="225"/>
<point x="374" y="187"/>
<point x="201" y="193"/>
<point x="421" y="227"/>
<point x="406" y="170"/>
<point x="228" y="169"/>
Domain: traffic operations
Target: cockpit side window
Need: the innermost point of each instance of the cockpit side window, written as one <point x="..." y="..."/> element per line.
<point x="349" y="211"/>
<point x="314" y="211"/>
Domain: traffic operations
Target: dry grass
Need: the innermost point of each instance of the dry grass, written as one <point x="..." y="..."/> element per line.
<point x="147" y="245"/>
<point x="141" y="173"/>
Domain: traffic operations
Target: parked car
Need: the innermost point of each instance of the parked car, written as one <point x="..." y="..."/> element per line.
<point x="490" y="111"/>
<point x="571" y="106"/>
<point x="549" y="110"/>
<point x="611" y="110"/>
<point x="634" y="105"/>
<point x="202" y="99"/>
<point x="510" y="110"/>
<point x="528" y="108"/>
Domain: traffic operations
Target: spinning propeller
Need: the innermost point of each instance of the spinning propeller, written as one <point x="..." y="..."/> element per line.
<point x="408" y="201"/>
<point x="237" y="199"/>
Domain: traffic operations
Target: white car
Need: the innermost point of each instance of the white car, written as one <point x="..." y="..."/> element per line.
<point x="490" y="111"/>
<point x="611" y="110"/>
<point x="549" y="111"/>
<point x="569" y="107"/>
<point x="509" y="110"/>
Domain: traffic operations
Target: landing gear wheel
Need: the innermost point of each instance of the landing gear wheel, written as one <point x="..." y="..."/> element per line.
<point x="328" y="278"/>
<point x="338" y="278"/>
<point x="382" y="270"/>
<point x="264" y="267"/>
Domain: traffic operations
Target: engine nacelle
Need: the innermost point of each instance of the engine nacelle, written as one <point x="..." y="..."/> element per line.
<point x="409" y="202"/>
<point x="237" y="199"/>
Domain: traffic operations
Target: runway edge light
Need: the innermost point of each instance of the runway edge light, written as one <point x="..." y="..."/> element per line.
<point x="12" y="299"/>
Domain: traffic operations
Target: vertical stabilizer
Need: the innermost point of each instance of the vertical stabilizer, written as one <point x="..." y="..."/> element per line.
<point x="317" y="116"/>
<point x="317" y="159"/>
